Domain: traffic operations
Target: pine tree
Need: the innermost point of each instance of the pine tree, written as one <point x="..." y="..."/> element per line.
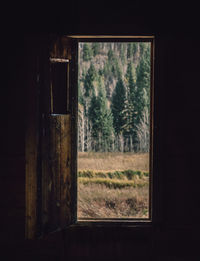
<point x="128" y="130"/>
<point x="102" y="122"/>
<point x="122" y="52"/>
<point x="130" y="78"/>
<point x="80" y="94"/>
<point x="143" y="84"/>
<point x="130" y="50"/>
<point x="135" y="48"/>
<point x="110" y="56"/>
<point x="117" y="106"/>
<point x="95" y="48"/>
<point x="129" y="113"/>
<point x="129" y="101"/>
<point x="143" y="93"/>
<point x="87" y="52"/>
<point x="89" y="81"/>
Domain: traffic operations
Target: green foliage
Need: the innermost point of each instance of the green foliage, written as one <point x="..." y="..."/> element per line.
<point x="89" y="80"/>
<point x="121" y="175"/>
<point x="131" y="77"/>
<point x="110" y="183"/>
<point x="102" y="121"/>
<point x="135" y="48"/>
<point x="80" y="95"/>
<point x="87" y="52"/>
<point x="95" y="48"/>
<point x="122" y="52"/>
<point x="143" y="82"/>
<point x="130" y="50"/>
<point x="110" y="55"/>
<point x="114" y="99"/>
<point x="129" y="112"/>
<point x="118" y="101"/>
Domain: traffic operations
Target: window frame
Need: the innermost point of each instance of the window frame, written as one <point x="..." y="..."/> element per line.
<point x="116" y="222"/>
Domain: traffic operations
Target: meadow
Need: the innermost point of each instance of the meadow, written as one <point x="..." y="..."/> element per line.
<point x="113" y="185"/>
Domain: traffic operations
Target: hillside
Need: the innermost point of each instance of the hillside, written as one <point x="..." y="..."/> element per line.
<point x="114" y="96"/>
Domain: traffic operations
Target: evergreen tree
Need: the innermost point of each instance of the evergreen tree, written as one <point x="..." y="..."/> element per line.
<point x="110" y="56"/>
<point x="102" y="122"/>
<point x="135" y="48"/>
<point x="117" y="106"/>
<point x="143" y="99"/>
<point x="89" y="80"/>
<point x="130" y="78"/>
<point x="87" y="52"/>
<point x="129" y="113"/>
<point x="143" y="84"/>
<point x="80" y="95"/>
<point x="108" y="104"/>
<point x="95" y="48"/>
<point x="130" y="50"/>
<point x="122" y="52"/>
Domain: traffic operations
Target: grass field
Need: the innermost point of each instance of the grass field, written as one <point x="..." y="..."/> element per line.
<point x="113" y="185"/>
<point x="110" y="161"/>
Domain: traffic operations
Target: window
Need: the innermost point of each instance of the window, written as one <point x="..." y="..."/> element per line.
<point x="63" y="111"/>
<point x="114" y="129"/>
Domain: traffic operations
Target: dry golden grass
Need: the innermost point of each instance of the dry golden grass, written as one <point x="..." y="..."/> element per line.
<point x="116" y="201"/>
<point x="97" y="201"/>
<point x="109" y="161"/>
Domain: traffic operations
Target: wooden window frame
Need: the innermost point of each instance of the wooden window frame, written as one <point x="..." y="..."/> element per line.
<point x="124" y="222"/>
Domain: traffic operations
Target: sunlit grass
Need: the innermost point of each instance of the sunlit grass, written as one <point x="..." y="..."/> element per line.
<point x="113" y="185"/>
<point x="99" y="201"/>
<point x="111" y="161"/>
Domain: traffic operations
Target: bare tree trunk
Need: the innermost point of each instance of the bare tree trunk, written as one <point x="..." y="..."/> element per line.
<point x="121" y="143"/>
<point x="131" y="143"/>
<point x="143" y="132"/>
<point x="81" y="128"/>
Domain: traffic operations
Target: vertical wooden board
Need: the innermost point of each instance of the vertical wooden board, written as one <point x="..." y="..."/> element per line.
<point x="54" y="173"/>
<point x="56" y="185"/>
<point x="51" y="175"/>
<point x="65" y="175"/>
<point x="45" y="175"/>
<point x="56" y="197"/>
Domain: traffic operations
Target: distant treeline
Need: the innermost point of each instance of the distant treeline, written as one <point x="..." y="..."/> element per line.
<point x="114" y="96"/>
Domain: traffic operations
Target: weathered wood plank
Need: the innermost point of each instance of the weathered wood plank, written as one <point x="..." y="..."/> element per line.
<point x="57" y="174"/>
<point x="54" y="181"/>
<point x="65" y="177"/>
<point x="61" y="48"/>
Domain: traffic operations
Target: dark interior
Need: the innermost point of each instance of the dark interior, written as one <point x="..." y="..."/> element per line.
<point x="175" y="234"/>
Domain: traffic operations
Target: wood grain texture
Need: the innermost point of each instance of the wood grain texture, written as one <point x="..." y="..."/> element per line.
<point x="65" y="170"/>
<point x="56" y="195"/>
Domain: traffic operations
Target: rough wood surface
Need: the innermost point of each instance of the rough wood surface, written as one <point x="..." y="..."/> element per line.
<point x="56" y="196"/>
<point x="61" y="48"/>
<point x="65" y="170"/>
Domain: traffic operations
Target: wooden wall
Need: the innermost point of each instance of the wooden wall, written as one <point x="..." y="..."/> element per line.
<point x="175" y="238"/>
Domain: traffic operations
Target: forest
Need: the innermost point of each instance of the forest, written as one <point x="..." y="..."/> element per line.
<point x="114" y="96"/>
<point x="113" y="129"/>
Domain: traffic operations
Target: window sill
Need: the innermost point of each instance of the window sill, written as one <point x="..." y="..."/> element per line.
<point x="135" y="223"/>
